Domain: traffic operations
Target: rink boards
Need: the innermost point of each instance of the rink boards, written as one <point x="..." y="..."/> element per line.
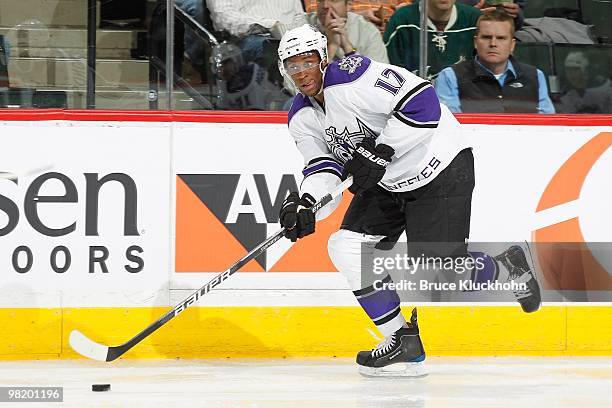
<point x="112" y="217"/>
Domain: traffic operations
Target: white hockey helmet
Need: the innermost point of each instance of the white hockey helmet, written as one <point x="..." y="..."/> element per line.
<point x="298" y="41"/>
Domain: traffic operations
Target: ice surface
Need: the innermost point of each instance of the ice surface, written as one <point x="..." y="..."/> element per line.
<point x="452" y="382"/>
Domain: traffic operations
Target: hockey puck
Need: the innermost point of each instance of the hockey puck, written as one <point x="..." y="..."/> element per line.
<point x="100" y="387"/>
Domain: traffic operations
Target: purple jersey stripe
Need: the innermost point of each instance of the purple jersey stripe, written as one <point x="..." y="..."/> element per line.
<point x="414" y="123"/>
<point x="423" y="107"/>
<point x="300" y="101"/>
<point x="323" y="165"/>
<point x="345" y="70"/>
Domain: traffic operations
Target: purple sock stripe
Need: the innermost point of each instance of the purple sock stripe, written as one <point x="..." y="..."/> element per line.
<point x="488" y="273"/>
<point x="388" y="317"/>
<point x="380" y="303"/>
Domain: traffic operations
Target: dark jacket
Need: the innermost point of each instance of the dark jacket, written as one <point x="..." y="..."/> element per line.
<point x="479" y="91"/>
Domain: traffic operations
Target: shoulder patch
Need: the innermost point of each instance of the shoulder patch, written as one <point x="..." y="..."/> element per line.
<point x="346" y="70"/>
<point x="300" y="101"/>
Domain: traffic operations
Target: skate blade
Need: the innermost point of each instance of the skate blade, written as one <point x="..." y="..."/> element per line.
<point x="398" y="370"/>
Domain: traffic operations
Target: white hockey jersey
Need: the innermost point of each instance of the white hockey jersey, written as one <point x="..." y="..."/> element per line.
<point x="365" y="98"/>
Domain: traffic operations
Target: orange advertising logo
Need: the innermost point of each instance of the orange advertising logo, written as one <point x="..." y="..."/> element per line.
<point x="565" y="259"/>
<point x="220" y="217"/>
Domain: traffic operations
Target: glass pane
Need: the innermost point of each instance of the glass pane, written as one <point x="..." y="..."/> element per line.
<point x="579" y="79"/>
<point x="193" y="43"/>
<point x="585" y="79"/>
<point x="46" y="48"/>
<point x="219" y="71"/>
<point x="540" y="56"/>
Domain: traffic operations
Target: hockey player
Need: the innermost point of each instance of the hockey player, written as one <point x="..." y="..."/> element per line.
<point x="412" y="171"/>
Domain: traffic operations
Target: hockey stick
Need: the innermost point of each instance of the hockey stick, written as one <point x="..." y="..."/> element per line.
<point x="89" y="348"/>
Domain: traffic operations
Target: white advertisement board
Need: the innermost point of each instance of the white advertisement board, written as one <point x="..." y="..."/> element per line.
<point x="84" y="214"/>
<point x="141" y="214"/>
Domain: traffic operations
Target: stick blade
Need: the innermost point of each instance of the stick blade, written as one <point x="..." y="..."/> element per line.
<point x="87" y="347"/>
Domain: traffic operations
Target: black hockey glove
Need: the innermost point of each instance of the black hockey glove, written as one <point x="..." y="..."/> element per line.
<point x="368" y="165"/>
<point x="296" y="218"/>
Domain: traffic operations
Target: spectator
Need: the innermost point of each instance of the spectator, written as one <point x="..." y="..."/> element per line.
<point x="377" y="12"/>
<point x="494" y="81"/>
<point x="513" y="7"/>
<point x="347" y="32"/>
<point x="255" y="21"/>
<point x="450" y="35"/>
<point x="587" y="92"/>
<point x="242" y="86"/>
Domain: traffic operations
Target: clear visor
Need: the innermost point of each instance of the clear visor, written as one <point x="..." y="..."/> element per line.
<point x="295" y="67"/>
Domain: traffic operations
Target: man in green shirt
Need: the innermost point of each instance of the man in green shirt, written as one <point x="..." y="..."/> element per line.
<point x="347" y="32"/>
<point x="450" y="35"/>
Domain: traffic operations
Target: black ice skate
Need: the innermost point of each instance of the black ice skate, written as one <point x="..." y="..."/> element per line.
<point x="520" y="269"/>
<point x="399" y="355"/>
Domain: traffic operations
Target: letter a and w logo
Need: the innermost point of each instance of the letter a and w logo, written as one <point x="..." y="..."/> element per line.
<point x="220" y="217"/>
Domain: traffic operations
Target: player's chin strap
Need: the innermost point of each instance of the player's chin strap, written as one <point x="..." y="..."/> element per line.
<point x="323" y="71"/>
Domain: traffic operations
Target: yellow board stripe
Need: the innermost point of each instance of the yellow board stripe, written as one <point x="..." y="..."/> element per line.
<point x="216" y="332"/>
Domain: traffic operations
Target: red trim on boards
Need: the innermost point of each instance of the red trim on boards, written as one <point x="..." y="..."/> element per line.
<point x="534" y="119"/>
<point x="277" y="117"/>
